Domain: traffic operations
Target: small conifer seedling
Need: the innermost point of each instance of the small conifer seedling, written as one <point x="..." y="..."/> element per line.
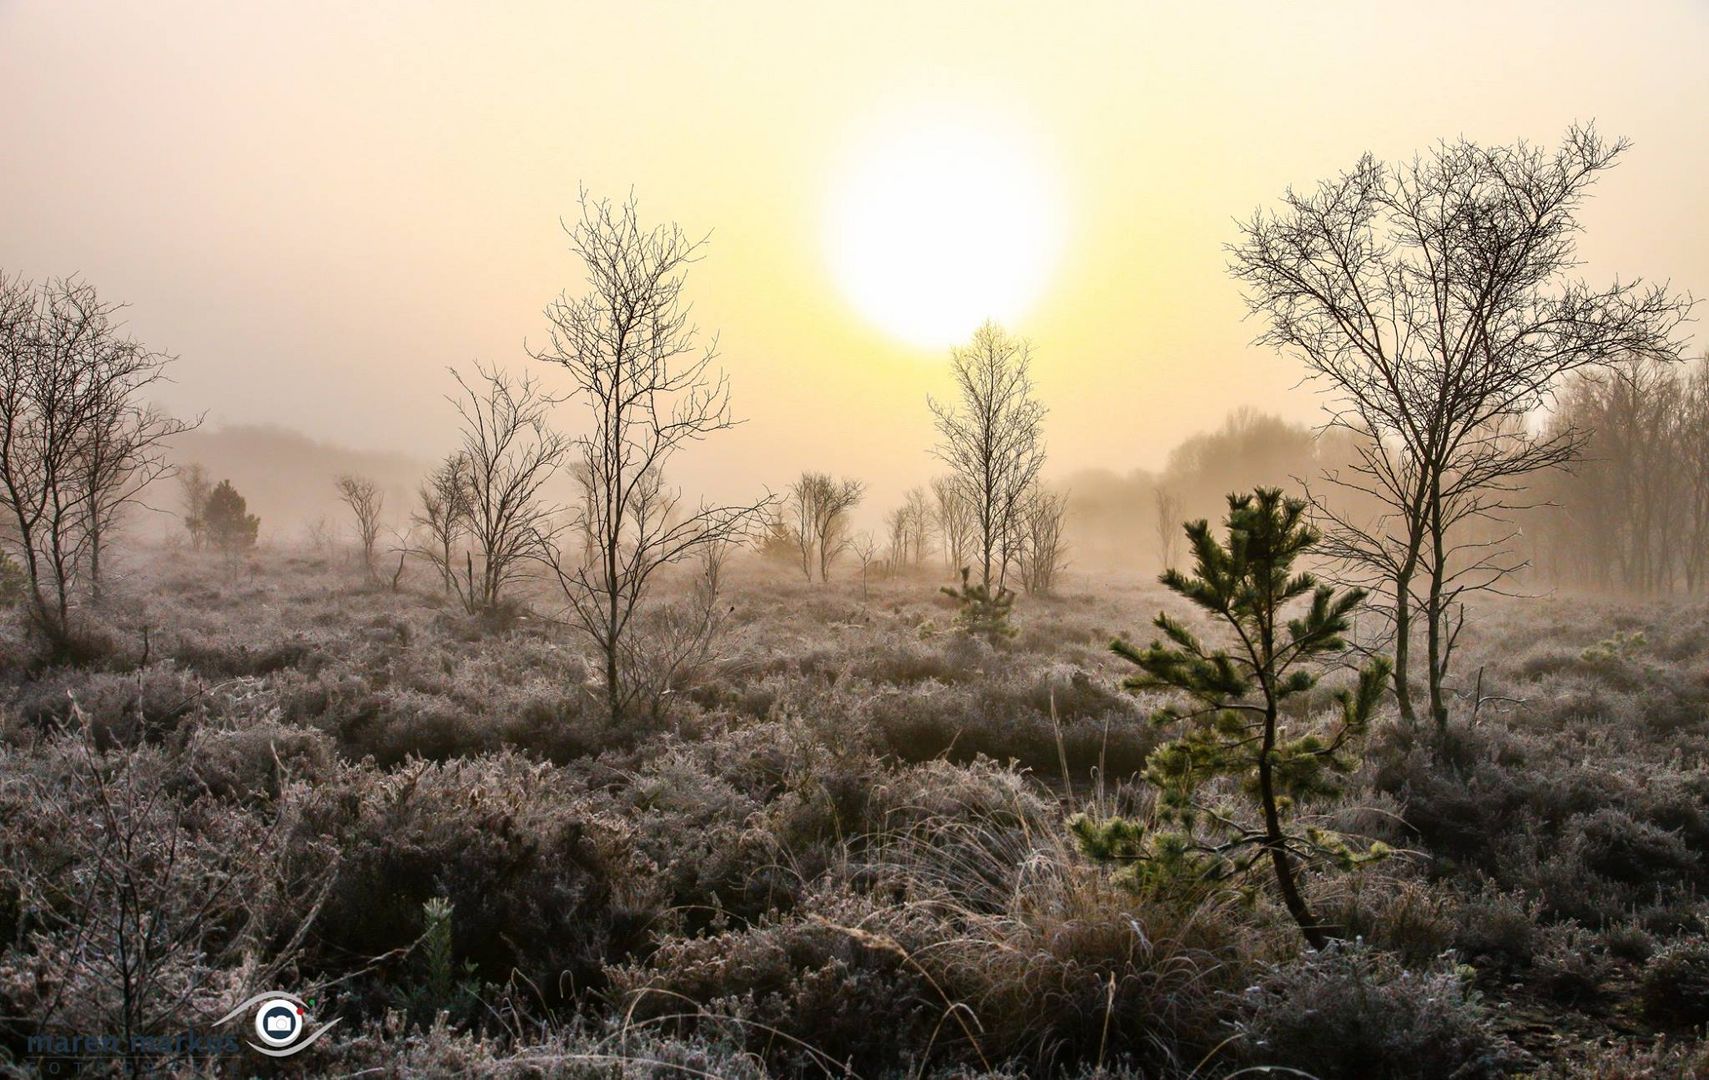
<point x="1227" y="707"/>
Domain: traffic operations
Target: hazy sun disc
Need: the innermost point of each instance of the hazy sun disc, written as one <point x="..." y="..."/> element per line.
<point x="939" y="225"/>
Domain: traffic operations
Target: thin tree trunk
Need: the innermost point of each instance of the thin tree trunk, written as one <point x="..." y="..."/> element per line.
<point x="1275" y="842"/>
<point x="1434" y="613"/>
<point x="1403" y="643"/>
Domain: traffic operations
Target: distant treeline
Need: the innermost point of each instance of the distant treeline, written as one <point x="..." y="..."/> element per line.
<point x="1133" y="521"/>
<point x="1632" y="514"/>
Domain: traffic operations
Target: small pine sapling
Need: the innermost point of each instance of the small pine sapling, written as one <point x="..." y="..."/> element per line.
<point x="983" y="613"/>
<point x="1228" y="711"/>
<point x="441" y="985"/>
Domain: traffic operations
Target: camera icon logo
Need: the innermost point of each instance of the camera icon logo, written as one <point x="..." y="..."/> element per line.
<point x="279" y="1021"/>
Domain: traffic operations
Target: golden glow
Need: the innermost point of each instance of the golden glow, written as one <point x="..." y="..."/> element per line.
<point x="324" y="194"/>
<point x="940" y="223"/>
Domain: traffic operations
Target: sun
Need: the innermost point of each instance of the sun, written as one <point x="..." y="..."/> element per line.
<point x="940" y="223"/>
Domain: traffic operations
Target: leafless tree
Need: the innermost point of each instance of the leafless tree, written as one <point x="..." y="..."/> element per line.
<point x="817" y="508"/>
<point x="1434" y="302"/>
<point x="365" y="501"/>
<point x="1694" y="467"/>
<point x="896" y="533"/>
<point x="832" y="522"/>
<point x="1632" y="513"/>
<point x="194" y="488"/>
<point x="865" y="551"/>
<point x="77" y="443"/>
<point x="509" y="454"/>
<point x="1168" y="525"/>
<point x="917" y="516"/>
<point x="909" y="529"/>
<point x="444" y="516"/>
<point x="1043" y="550"/>
<point x="124" y="449"/>
<point x="952" y="520"/>
<point x="798" y="515"/>
<point x="670" y="645"/>
<point x="318" y="533"/>
<point x="631" y="350"/>
<point x="992" y="439"/>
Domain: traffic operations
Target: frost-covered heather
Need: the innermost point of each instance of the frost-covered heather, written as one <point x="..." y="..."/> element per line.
<point x="840" y="850"/>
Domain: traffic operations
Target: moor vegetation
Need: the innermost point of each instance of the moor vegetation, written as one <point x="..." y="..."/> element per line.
<point x="574" y="775"/>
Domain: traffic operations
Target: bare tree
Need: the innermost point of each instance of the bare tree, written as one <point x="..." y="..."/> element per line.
<point x="1631" y="513"/>
<point x="671" y="645"/>
<point x="77" y="445"/>
<point x="800" y="517"/>
<point x="318" y="533"/>
<point x="896" y="532"/>
<point x="865" y="551"/>
<point x="194" y="489"/>
<point x="124" y="448"/>
<point x="365" y="501"/>
<point x="832" y="524"/>
<point x="1168" y="525"/>
<point x="1434" y="302"/>
<point x="952" y="520"/>
<point x="917" y="525"/>
<point x="818" y="509"/>
<point x="444" y="516"/>
<point x="630" y="348"/>
<point x="1043" y="550"/>
<point x="992" y="440"/>
<point x="509" y="453"/>
<point x="1694" y="467"/>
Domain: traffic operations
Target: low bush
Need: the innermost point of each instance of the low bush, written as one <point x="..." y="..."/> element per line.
<point x="1353" y="1013"/>
<point x="544" y="883"/>
<point x="120" y="709"/>
<point x="1674" y="984"/>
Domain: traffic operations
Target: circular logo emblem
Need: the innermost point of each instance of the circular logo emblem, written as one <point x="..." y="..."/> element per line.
<point x="278" y="1022"/>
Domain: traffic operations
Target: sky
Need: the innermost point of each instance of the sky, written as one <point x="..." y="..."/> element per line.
<point x="319" y="206"/>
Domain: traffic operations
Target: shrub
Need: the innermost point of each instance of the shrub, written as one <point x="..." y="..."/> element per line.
<point x="1615" y="846"/>
<point x="1352" y="1012"/>
<point x="253" y="762"/>
<point x="981" y="612"/>
<point x="1572" y="965"/>
<point x="802" y="992"/>
<point x="390" y="1047"/>
<point x="1054" y="963"/>
<point x="146" y="705"/>
<point x="13" y="583"/>
<point x="543" y="882"/>
<point x="1674" y="985"/>
<point x="155" y="914"/>
<point x="229" y="659"/>
<point x="1634" y="1061"/>
<point x="1497" y="927"/>
<point x="1408" y="918"/>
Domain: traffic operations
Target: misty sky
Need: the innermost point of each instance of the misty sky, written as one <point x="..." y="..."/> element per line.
<point x="320" y="206"/>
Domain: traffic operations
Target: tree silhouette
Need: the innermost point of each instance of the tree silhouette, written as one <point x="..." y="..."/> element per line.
<point x="230" y="526"/>
<point x="1436" y="301"/>
<point x="992" y="440"/>
<point x="632" y="352"/>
